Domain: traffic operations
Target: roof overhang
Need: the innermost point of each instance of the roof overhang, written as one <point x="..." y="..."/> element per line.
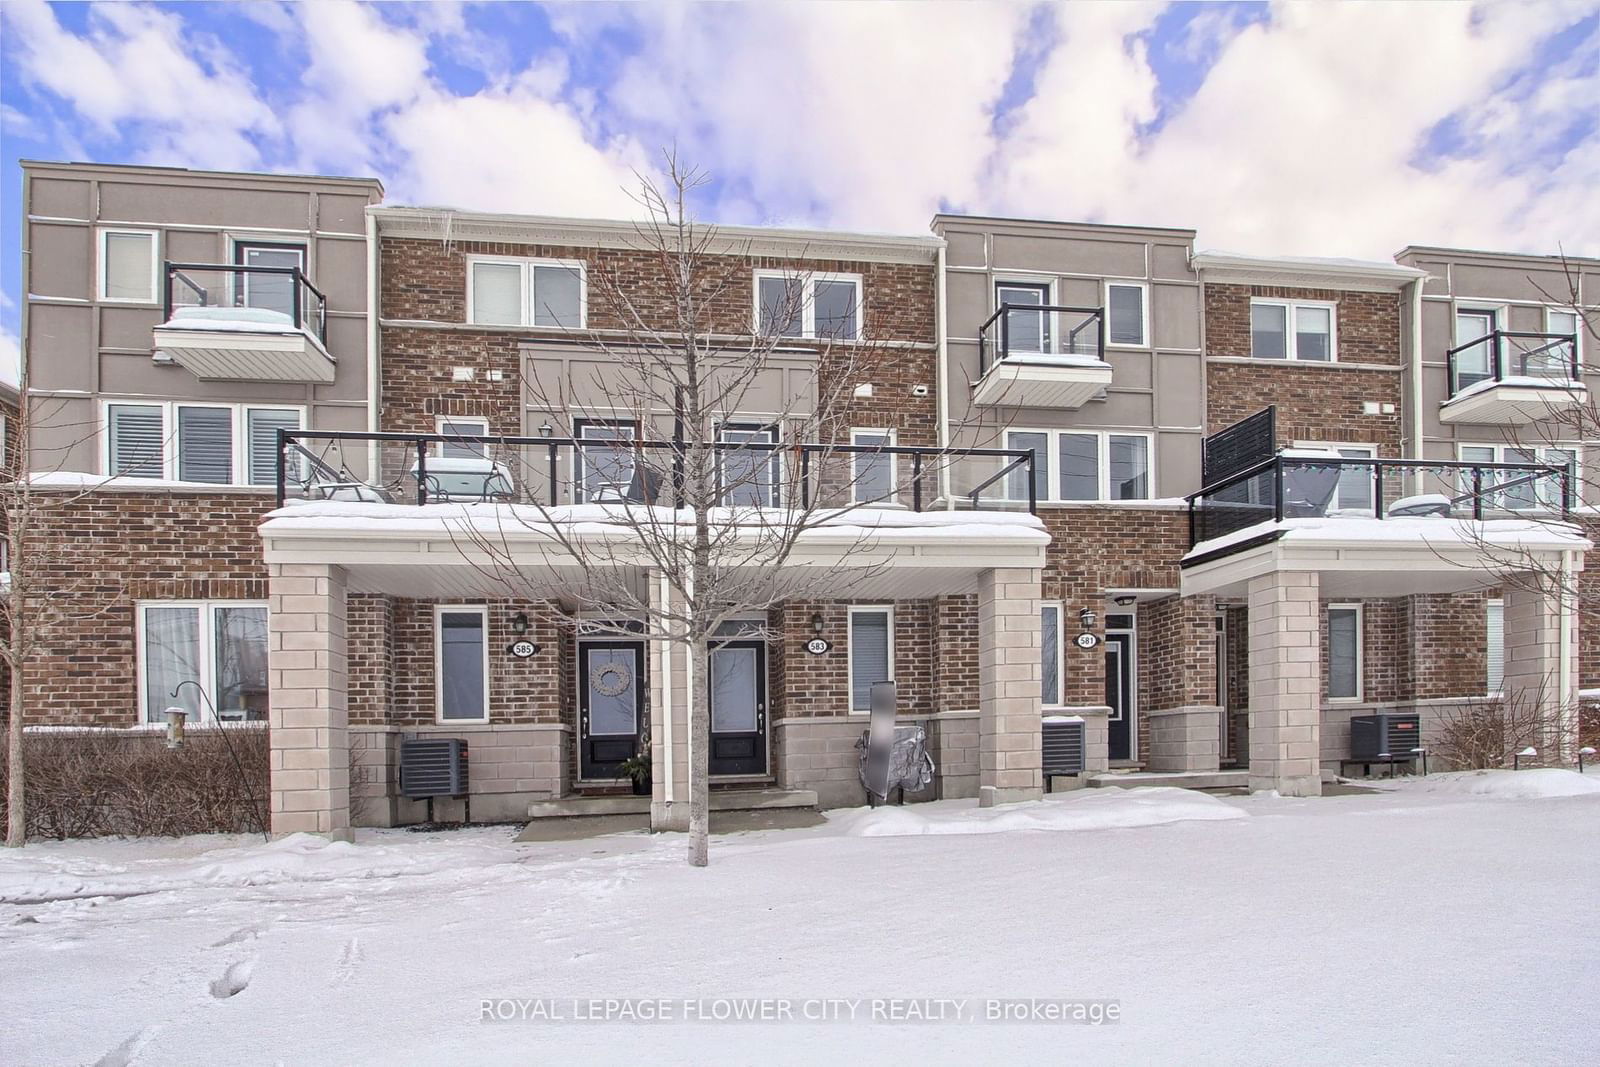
<point x="1018" y="382"/>
<point x="1371" y="276"/>
<point x="246" y="356"/>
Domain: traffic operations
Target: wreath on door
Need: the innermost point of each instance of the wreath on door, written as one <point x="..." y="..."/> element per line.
<point x="610" y="679"/>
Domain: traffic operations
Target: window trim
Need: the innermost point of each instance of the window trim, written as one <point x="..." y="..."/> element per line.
<point x="441" y="421"/>
<point x="850" y="650"/>
<point x="578" y="428"/>
<point x="808" y="302"/>
<point x="774" y="458"/>
<point x="1144" y="312"/>
<point x="855" y="475"/>
<point x="439" y="611"/>
<point x="206" y="643"/>
<point x="103" y="262"/>
<point x="1370" y="449"/>
<point x="1361" y="642"/>
<point x="1052" y="461"/>
<point x="526" y="290"/>
<point x="1550" y="310"/>
<point x="1575" y="490"/>
<point x="1048" y="286"/>
<point x="1494" y="685"/>
<point x="1061" y="653"/>
<point x="240" y="464"/>
<point x="1291" y="347"/>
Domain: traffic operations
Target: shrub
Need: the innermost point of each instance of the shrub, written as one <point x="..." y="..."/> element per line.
<point x="94" y="783"/>
<point x="1482" y="734"/>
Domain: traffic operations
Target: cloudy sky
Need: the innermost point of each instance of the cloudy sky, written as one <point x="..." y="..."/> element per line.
<point x="1295" y="128"/>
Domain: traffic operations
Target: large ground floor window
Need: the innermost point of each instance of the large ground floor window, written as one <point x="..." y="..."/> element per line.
<point x="219" y="644"/>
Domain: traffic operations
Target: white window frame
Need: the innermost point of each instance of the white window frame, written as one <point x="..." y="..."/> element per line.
<point x="850" y="649"/>
<point x="855" y="475"/>
<point x="1578" y="332"/>
<point x="1048" y="318"/>
<point x="1541" y="504"/>
<point x="442" y="421"/>
<point x="103" y="261"/>
<point x="1060" y="650"/>
<point x="1361" y="652"/>
<point x="1341" y="447"/>
<point x="1144" y="312"/>
<point x="1492" y="684"/>
<point x="774" y="461"/>
<point x="439" y="611"/>
<point x="169" y="435"/>
<point x="526" y="288"/>
<point x="207" y="650"/>
<point x="1290" y="344"/>
<point x="808" y="301"/>
<point x="1052" y="461"/>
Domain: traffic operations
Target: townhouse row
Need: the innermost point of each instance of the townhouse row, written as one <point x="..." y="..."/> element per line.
<point x="1186" y="608"/>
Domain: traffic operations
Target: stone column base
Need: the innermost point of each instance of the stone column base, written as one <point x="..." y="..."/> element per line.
<point x="1186" y="739"/>
<point x="669" y="816"/>
<point x="989" y="795"/>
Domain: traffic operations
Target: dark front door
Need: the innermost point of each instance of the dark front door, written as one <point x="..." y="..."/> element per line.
<point x="1119" y="694"/>
<point x="739" y="708"/>
<point x="611" y="705"/>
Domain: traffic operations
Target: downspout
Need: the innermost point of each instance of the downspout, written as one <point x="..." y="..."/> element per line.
<point x="1415" y="363"/>
<point x="666" y="701"/>
<point x="1568" y="606"/>
<point x="942" y="347"/>
<point x="373" y="392"/>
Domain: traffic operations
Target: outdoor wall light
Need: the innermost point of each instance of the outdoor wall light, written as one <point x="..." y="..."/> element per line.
<point x="545" y="429"/>
<point x="519" y="623"/>
<point x="1582" y="752"/>
<point x="1087" y="617"/>
<point x="816" y="622"/>
<point x="1124" y="600"/>
<point x="1516" y="757"/>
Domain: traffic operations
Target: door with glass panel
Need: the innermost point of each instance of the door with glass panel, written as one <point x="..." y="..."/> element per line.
<point x="268" y="291"/>
<point x="739" y="708"/>
<point x="1122" y="728"/>
<point x="611" y="705"/>
<point x="1476" y="363"/>
<point x="1025" y="331"/>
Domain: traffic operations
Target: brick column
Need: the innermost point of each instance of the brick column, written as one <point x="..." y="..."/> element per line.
<point x="1533" y="682"/>
<point x="310" y="757"/>
<point x="669" y="741"/>
<point x="1009" y="765"/>
<point x="1285" y="684"/>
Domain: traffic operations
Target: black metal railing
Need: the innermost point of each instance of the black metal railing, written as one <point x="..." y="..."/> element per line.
<point x="1502" y="354"/>
<point x="424" y="468"/>
<point x="1021" y="330"/>
<point x="1289" y="486"/>
<point x="220" y="288"/>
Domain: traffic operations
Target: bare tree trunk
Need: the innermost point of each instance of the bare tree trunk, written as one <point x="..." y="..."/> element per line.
<point x="699" y="754"/>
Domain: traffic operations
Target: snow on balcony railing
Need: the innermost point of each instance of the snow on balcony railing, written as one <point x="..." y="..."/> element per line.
<point x="1508" y="357"/>
<point x="242" y="299"/>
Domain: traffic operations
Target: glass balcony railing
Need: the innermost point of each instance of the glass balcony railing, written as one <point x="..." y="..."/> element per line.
<point x="1516" y="357"/>
<point x="226" y="297"/>
<point x="1041" y="331"/>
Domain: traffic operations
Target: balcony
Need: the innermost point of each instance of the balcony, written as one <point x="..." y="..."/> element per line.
<point x="1378" y="527"/>
<point x="1513" y="378"/>
<point x="235" y="323"/>
<point x="1042" y="356"/>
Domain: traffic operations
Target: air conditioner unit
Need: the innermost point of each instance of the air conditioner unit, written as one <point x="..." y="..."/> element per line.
<point x="1063" y="746"/>
<point x="433" y="767"/>
<point x="1384" y="737"/>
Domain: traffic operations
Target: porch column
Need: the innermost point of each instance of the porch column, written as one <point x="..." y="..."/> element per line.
<point x="310" y="749"/>
<point x="1285" y="684"/>
<point x="669" y="722"/>
<point x="1009" y="726"/>
<point x="1538" y="686"/>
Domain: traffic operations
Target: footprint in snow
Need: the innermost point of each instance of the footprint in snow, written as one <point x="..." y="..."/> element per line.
<point x="349" y="960"/>
<point x="124" y="1054"/>
<point x="244" y="933"/>
<point x="233" y="980"/>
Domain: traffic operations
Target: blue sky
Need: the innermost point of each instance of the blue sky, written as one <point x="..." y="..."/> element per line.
<point x="1310" y="129"/>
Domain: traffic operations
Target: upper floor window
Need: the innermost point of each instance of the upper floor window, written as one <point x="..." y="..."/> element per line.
<point x="128" y="266"/>
<point x="872" y="471"/>
<point x="1082" y="465"/>
<point x="808" y="305"/>
<point x="456" y="426"/>
<point x="748" y="478"/>
<point x="269" y="289"/>
<point x="1292" y="329"/>
<point x="1025" y="331"/>
<point x="1127" y="314"/>
<point x="216" y="444"/>
<point x="1564" y="321"/>
<point x="1545" y="493"/>
<point x="526" y="292"/>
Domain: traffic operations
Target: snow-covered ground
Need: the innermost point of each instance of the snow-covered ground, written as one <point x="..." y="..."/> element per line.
<point x="1448" y="920"/>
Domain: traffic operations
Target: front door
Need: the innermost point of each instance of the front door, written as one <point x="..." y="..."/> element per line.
<point x="739" y="708"/>
<point x="1119" y="694"/>
<point x="610" y="710"/>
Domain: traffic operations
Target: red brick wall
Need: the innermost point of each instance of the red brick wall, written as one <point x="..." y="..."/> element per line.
<point x="1177" y="653"/>
<point x="820" y="685"/>
<point x="955" y="666"/>
<point x="1366" y="325"/>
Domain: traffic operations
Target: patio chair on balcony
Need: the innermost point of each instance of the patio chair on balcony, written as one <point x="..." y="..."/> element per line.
<point x="465" y="479"/>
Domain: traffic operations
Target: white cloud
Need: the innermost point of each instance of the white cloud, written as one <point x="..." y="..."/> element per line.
<point x="10" y="357"/>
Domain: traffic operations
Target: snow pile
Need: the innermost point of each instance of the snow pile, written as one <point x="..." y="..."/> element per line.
<point x="230" y="320"/>
<point x="74" y="874"/>
<point x="1109" y="809"/>
<point x="1518" y="381"/>
<point x="1540" y="783"/>
<point x="1433" y="531"/>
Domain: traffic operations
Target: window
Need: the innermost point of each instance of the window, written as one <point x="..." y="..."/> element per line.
<point x="1545" y="493"/>
<point x="463" y="427"/>
<point x="128" y="266"/>
<point x="871" y="652"/>
<point x="461" y="662"/>
<point x="221" y="645"/>
<point x="214" y="444"/>
<point x="748" y="479"/>
<point x="808" y="305"/>
<point x="1083" y="465"/>
<point x="527" y="292"/>
<point x="873" y="472"/>
<point x="1344" y="651"/>
<point x="269" y="290"/>
<point x="1563" y="321"/>
<point x="1127" y="314"/>
<point x="1290" y="329"/>
<point x="1050" y="654"/>
<point x="1495" y="645"/>
<point x="1354" y="491"/>
<point x="1025" y="331"/>
<point x="605" y="472"/>
<point x="1474" y="364"/>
